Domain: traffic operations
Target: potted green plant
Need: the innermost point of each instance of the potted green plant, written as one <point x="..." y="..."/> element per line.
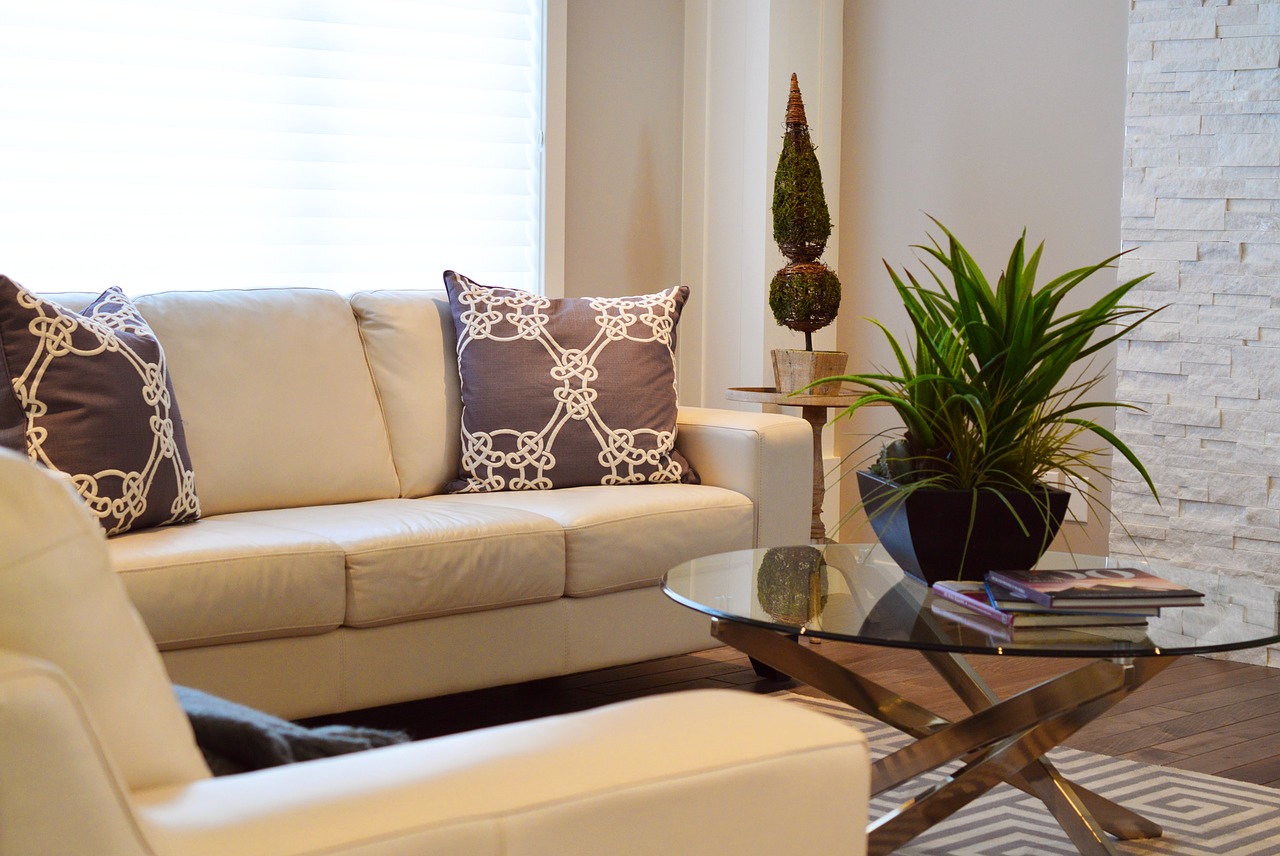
<point x="805" y="294"/>
<point x="993" y="396"/>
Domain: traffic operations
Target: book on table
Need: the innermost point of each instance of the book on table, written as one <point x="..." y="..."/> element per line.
<point x="971" y="627"/>
<point x="1003" y="599"/>
<point x="962" y="598"/>
<point x="1095" y="589"/>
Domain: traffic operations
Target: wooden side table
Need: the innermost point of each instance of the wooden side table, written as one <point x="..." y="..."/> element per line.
<point x="813" y="409"/>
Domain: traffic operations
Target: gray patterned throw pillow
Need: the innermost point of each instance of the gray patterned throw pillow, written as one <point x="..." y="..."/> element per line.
<point x="565" y="392"/>
<point x="88" y="395"/>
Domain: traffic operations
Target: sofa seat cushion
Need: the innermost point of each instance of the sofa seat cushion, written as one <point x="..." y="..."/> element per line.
<point x="627" y="537"/>
<point x="415" y="558"/>
<point x="223" y="580"/>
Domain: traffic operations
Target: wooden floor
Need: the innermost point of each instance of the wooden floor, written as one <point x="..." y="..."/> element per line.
<point x="1211" y="716"/>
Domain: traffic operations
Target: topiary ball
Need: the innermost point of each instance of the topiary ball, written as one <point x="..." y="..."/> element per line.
<point x="805" y="297"/>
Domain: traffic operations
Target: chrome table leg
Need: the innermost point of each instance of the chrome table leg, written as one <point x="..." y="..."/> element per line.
<point x="1002" y="740"/>
<point x="1041" y="778"/>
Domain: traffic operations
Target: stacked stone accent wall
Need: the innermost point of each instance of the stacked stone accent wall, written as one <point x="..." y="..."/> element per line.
<point x="1201" y="210"/>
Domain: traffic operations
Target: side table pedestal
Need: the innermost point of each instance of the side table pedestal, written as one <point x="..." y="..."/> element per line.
<point x="813" y="409"/>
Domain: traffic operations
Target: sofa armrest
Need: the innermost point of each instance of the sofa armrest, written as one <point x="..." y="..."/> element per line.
<point x="768" y="457"/>
<point x="690" y="772"/>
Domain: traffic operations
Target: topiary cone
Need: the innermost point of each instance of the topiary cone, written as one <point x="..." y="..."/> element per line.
<point x="801" y="221"/>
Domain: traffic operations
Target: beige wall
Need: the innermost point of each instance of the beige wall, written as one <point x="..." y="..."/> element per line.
<point x="739" y="58"/>
<point x="991" y="115"/>
<point x="623" y="146"/>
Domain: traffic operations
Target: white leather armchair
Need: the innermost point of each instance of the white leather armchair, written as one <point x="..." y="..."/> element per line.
<point x="97" y="757"/>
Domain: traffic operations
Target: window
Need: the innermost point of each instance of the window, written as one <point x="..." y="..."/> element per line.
<point x="195" y="144"/>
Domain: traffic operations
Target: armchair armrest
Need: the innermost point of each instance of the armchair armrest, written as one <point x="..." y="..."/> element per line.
<point x="689" y="772"/>
<point x="768" y="457"/>
<point x="58" y="791"/>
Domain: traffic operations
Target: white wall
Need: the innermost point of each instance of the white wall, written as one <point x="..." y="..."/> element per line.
<point x="991" y="115"/>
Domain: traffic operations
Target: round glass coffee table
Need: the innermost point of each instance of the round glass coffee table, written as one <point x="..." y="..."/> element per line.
<point x="763" y="601"/>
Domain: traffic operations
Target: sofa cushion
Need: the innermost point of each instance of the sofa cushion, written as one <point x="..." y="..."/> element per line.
<point x="621" y="539"/>
<point x="231" y="580"/>
<point x="89" y="395"/>
<point x="564" y="392"/>
<point x="416" y="558"/>
<point x="409" y="340"/>
<point x="279" y="404"/>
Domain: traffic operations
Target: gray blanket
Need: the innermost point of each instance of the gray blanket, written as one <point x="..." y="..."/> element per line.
<point x="236" y="739"/>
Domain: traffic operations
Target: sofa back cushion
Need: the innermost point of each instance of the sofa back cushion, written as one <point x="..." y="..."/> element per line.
<point x="409" y="339"/>
<point x="278" y="403"/>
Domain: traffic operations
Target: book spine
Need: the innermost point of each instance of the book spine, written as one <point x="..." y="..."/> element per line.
<point x="974" y="604"/>
<point x="1017" y="589"/>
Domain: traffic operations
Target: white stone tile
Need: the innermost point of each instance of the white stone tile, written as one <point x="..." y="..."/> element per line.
<point x="1137" y="206"/>
<point x="1239" y="123"/>
<point x="1245" y="31"/>
<point x="1184" y="125"/>
<point x="1254" y="206"/>
<point x="1261" y="52"/>
<point x="1198" y="214"/>
<point x="1252" y="221"/>
<point x="1261" y="252"/>
<point x="1219" y="251"/>
<point x="1200" y="26"/>
<point x="1176" y="250"/>
<point x="1236" y="15"/>
<point x="1261" y="149"/>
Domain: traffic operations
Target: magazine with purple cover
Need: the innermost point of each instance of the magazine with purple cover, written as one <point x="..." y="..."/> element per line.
<point x="1095" y="588"/>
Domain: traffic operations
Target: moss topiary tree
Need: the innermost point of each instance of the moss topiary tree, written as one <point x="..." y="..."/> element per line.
<point x="805" y="295"/>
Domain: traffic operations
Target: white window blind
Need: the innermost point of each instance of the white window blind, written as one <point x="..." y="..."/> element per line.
<point x="195" y="144"/>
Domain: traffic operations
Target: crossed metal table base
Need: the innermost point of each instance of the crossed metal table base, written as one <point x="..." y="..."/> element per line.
<point x="1002" y="740"/>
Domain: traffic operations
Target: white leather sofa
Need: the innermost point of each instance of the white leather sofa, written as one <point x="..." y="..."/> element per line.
<point x="97" y="757"/>
<point x="330" y="572"/>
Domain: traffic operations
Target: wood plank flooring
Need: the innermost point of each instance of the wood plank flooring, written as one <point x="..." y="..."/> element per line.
<point x="1212" y="716"/>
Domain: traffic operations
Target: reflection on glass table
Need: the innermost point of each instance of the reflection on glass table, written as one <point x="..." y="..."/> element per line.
<point x="855" y="593"/>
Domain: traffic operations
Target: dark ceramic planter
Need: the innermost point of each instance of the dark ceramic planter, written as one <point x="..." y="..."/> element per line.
<point x="925" y="533"/>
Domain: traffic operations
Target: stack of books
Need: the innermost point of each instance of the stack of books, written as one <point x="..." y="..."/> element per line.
<point x="1077" y="598"/>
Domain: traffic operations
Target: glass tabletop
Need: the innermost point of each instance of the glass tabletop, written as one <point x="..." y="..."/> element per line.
<point x="856" y="593"/>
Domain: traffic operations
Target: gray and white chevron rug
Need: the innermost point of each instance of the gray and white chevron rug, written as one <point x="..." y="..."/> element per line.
<point x="1202" y="815"/>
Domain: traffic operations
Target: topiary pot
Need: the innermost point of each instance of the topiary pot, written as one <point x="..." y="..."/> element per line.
<point x="925" y="531"/>
<point x="793" y="370"/>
